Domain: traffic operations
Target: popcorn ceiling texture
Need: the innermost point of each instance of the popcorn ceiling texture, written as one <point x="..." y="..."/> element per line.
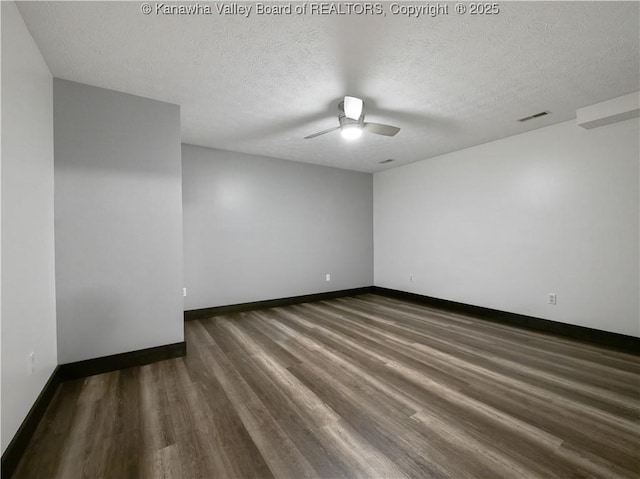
<point x="260" y="84"/>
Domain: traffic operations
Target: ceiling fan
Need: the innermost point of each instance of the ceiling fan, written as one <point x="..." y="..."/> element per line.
<point x="352" y="124"/>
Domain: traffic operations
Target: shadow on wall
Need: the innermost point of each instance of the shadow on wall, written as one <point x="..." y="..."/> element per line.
<point x="91" y="320"/>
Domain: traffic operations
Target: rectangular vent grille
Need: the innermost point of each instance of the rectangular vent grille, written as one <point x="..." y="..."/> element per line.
<point x="383" y="162"/>
<point x="537" y="115"/>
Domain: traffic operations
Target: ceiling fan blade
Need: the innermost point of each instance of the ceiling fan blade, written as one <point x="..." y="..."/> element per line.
<point x="321" y="133"/>
<point x="380" y="129"/>
<point x="353" y="107"/>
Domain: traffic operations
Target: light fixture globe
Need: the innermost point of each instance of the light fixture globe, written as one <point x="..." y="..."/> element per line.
<point x="351" y="131"/>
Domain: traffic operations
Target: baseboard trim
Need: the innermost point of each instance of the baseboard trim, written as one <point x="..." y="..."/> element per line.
<point x="14" y="451"/>
<point x="81" y="369"/>
<point x="115" y="362"/>
<point x="272" y="303"/>
<point x="620" y="342"/>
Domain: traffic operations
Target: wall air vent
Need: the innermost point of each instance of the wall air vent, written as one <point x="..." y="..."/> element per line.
<point x="531" y="117"/>
<point x="384" y="162"/>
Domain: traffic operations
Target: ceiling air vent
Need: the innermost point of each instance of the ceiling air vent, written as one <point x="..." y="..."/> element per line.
<point x="531" y="117"/>
<point x="384" y="162"/>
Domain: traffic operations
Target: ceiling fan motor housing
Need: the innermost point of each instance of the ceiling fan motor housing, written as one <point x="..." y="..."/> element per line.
<point x="344" y="120"/>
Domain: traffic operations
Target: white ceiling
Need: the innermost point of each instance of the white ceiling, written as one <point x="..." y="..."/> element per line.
<point x="260" y="84"/>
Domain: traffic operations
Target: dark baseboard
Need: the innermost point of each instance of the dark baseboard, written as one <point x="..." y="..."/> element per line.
<point x="65" y="372"/>
<point x="105" y="364"/>
<point x="620" y="342"/>
<point x="13" y="453"/>
<point x="272" y="303"/>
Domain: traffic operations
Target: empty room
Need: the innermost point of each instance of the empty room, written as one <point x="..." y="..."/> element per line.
<point x="379" y="240"/>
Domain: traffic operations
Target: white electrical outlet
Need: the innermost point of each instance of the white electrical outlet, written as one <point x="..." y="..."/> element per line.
<point x="184" y="291"/>
<point x="327" y="277"/>
<point x="411" y="278"/>
<point x="31" y="363"/>
<point x="552" y="298"/>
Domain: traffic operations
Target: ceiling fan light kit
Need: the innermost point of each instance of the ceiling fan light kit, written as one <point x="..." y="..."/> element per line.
<point x="352" y="124"/>
<point x="351" y="131"/>
<point x="352" y="107"/>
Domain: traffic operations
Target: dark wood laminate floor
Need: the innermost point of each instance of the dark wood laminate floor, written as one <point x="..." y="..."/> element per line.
<point x="357" y="387"/>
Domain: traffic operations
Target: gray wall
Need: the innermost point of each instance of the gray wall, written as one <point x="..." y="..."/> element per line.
<point x="259" y="228"/>
<point x="118" y="222"/>
<point x="28" y="278"/>
<point x="504" y="224"/>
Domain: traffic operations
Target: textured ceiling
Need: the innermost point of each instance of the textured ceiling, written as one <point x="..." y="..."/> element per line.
<point x="260" y="84"/>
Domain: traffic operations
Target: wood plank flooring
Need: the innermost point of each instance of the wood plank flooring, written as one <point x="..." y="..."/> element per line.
<point x="366" y="387"/>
